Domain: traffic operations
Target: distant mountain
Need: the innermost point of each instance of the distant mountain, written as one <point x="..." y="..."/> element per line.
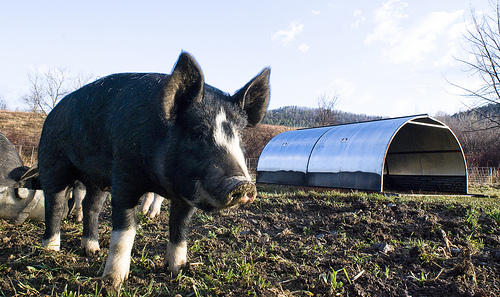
<point x="478" y="131"/>
<point x="296" y="116"/>
<point x="489" y="111"/>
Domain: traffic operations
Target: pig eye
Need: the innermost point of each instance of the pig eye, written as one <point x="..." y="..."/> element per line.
<point x="199" y="132"/>
<point x="197" y="135"/>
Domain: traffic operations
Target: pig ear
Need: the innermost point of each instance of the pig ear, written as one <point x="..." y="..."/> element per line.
<point x="254" y="97"/>
<point x="32" y="172"/>
<point x="184" y="87"/>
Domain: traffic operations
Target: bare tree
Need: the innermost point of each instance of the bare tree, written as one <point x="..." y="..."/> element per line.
<point x="49" y="87"/>
<point x="3" y="103"/>
<point x="82" y="79"/>
<point x="326" y="109"/>
<point x="483" y="41"/>
<point x="481" y="145"/>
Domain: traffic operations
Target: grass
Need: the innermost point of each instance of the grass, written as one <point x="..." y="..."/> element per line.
<point x="490" y="202"/>
<point x="420" y="278"/>
<point x="290" y="242"/>
<point x="330" y="279"/>
<point x="495" y="214"/>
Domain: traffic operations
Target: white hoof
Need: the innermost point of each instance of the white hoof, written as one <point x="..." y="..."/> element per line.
<point x="118" y="262"/>
<point x="53" y="243"/>
<point x="90" y="246"/>
<point x="176" y="256"/>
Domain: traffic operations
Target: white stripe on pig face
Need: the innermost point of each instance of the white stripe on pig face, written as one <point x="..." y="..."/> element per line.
<point x="229" y="141"/>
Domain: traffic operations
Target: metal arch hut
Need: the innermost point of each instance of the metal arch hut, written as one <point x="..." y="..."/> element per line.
<point x="414" y="153"/>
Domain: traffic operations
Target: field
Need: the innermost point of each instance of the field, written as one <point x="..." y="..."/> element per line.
<point x="21" y="128"/>
<point x="289" y="242"/>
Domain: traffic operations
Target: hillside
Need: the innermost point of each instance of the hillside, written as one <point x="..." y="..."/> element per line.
<point x="21" y="128"/>
<point x="478" y="135"/>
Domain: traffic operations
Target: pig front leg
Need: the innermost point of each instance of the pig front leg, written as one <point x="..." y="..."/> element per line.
<point x="120" y="244"/>
<point x="180" y="216"/>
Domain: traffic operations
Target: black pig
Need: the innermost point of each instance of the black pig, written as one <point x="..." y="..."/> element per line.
<point x="135" y="133"/>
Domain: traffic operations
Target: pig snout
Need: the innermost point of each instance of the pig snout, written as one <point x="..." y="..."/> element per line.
<point x="232" y="191"/>
<point x="240" y="192"/>
<point x="228" y="193"/>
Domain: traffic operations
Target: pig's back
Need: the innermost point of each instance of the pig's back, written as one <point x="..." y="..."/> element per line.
<point x="107" y="116"/>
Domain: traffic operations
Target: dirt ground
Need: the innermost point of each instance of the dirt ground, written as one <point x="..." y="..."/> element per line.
<point x="287" y="243"/>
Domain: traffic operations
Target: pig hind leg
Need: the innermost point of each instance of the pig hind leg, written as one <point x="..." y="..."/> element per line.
<point x="147" y="200"/>
<point x="54" y="209"/>
<point x="151" y="204"/>
<point x="54" y="180"/>
<point x="155" y="206"/>
<point x="92" y="205"/>
<point x="79" y="193"/>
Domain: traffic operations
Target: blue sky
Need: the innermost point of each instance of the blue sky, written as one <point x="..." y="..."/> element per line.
<point x="387" y="58"/>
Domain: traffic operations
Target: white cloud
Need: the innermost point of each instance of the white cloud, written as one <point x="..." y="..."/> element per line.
<point x="288" y="35"/>
<point x="315" y="12"/>
<point x="448" y="59"/>
<point x="412" y="43"/>
<point x="304" y="47"/>
<point x="360" y="19"/>
<point x="455" y="37"/>
<point x="457" y="30"/>
<point x="388" y="19"/>
<point x="421" y="38"/>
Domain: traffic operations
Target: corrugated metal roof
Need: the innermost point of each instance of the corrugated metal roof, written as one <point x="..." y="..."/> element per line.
<point x="359" y="155"/>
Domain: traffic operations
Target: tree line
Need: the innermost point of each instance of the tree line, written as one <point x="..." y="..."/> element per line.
<point x="304" y="117"/>
<point x="479" y="137"/>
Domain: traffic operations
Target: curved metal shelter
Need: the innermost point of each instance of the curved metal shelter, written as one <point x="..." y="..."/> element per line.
<point x="414" y="153"/>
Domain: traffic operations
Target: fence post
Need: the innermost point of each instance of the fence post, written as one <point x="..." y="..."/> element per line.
<point x="32" y="156"/>
<point x="491" y="176"/>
